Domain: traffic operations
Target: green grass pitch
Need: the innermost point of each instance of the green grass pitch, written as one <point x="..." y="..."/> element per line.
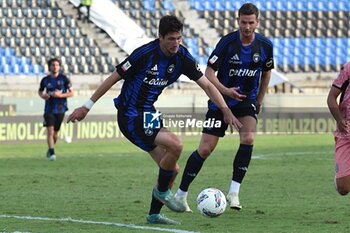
<point x="106" y="187"/>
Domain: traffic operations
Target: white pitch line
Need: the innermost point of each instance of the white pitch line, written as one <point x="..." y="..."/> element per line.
<point x="97" y="223"/>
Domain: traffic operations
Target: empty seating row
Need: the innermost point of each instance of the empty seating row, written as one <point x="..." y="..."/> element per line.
<point x="283" y="5"/>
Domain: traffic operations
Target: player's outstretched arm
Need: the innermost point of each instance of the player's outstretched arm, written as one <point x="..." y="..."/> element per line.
<point x="80" y="113"/>
<point x="214" y="94"/>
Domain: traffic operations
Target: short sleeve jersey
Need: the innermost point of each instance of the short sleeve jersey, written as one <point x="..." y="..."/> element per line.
<point x="241" y="66"/>
<point x="50" y="84"/>
<point x="342" y="82"/>
<point x="147" y="71"/>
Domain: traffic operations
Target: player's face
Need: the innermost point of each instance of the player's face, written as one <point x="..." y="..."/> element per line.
<point x="55" y="67"/>
<point x="170" y="43"/>
<point x="247" y="25"/>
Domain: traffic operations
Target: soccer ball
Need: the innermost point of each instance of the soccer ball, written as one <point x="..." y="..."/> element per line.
<point x="211" y="202"/>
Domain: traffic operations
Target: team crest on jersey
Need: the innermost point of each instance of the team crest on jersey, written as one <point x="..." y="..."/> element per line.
<point x="213" y="59"/>
<point x="126" y="66"/>
<point x="171" y="68"/>
<point x="256" y="57"/>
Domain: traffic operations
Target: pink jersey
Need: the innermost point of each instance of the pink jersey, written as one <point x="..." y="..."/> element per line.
<point x="343" y="82"/>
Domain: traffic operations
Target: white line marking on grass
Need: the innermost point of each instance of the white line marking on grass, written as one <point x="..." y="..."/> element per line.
<point x="97" y="223"/>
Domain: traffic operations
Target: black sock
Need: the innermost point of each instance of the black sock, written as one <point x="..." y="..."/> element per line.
<point x="164" y="178"/>
<point x="51" y="151"/>
<point x="193" y="166"/>
<point x="156" y="206"/>
<point x="241" y="162"/>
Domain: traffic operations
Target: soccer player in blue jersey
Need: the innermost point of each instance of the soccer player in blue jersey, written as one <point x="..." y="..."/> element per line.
<point x="146" y="72"/>
<point x="240" y="67"/>
<point x="55" y="88"/>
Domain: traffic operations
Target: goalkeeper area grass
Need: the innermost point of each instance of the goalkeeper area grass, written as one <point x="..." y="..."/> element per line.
<point x="105" y="186"/>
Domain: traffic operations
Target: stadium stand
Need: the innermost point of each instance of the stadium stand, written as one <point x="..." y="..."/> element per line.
<point x="308" y="35"/>
<point x="147" y="13"/>
<point x="33" y="31"/>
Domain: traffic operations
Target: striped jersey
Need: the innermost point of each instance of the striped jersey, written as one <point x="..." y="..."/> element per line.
<point x="50" y="84"/>
<point x="342" y="83"/>
<point x="147" y="71"/>
<point x="241" y="66"/>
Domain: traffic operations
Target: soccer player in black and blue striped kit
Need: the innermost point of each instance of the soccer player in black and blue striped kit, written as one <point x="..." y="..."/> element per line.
<point x="54" y="88"/>
<point x="146" y="72"/>
<point x="240" y="67"/>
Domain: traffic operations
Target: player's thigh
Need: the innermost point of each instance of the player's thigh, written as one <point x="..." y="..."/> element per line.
<point x="342" y="158"/>
<point x="169" y="141"/>
<point x="248" y="130"/>
<point x="207" y="144"/>
<point x="58" y="121"/>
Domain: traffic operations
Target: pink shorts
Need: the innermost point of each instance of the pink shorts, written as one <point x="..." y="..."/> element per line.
<point x="342" y="157"/>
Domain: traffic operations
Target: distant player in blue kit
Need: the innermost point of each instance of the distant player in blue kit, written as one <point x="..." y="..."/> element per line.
<point x="240" y="68"/>
<point x="55" y="88"/>
<point x="146" y="73"/>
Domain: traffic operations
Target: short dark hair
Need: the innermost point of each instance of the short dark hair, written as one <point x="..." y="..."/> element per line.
<point x="169" y="23"/>
<point x="248" y="9"/>
<point x="53" y="60"/>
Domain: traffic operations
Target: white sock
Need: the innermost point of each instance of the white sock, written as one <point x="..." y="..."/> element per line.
<point x="181" y="193"/>
<point x="234" y="187"/>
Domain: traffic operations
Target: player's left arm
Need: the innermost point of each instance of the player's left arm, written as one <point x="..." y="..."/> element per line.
<point x="214" y="94"/>
<point x="264" y="84"/>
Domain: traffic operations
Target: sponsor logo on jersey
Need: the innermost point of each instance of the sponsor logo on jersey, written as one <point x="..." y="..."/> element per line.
<point x="126" y="66"/>
<point x="155" y="82"/>
<point x="242" y="72"/>
<point x="213" y="59"/>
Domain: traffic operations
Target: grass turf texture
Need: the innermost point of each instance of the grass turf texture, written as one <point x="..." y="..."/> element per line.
<point x="289" y="187"/>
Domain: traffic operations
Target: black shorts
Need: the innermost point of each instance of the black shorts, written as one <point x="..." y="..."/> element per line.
<point x="55" y="120"/>
<point x="244" y="108"/>
<point x="134" y="130"/>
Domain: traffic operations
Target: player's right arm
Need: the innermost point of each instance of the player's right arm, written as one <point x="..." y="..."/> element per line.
<point x="80" y="113"/>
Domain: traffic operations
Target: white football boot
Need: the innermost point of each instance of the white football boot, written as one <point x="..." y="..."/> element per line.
<point x="233" y="200"/>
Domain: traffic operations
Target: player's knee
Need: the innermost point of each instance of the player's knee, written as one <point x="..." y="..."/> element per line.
<point x="205" y="151"/>
<point x="343" y="190"/>
<point x="248" y="139"/>
<point x="177" y="147"/>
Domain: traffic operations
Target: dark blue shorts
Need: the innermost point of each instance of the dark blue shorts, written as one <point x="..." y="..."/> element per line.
<point x="55" y="120"/>
<point x="244" y="108"/>
<point x="133" y="129"/>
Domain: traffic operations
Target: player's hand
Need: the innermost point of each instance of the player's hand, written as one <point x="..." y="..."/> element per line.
<point x="57" y="94"/>
<point x="344" y="126"/>
<point x="233" y="92"/>
<point x="45" y="96"/>
<point x="78" y="114"/>
<point x="231" y="120"/>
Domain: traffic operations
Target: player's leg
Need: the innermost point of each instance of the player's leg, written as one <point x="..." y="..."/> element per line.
<point x="193" y="166"/>
<point x="154" y="216"/>
<point x="209" y="140"/>
<point x="57" y="125"/>
<point x="242" y="159"/>
<point x="342" y="168"/>
<point x="49" y="123"/>
<point x="167" y="161"/>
